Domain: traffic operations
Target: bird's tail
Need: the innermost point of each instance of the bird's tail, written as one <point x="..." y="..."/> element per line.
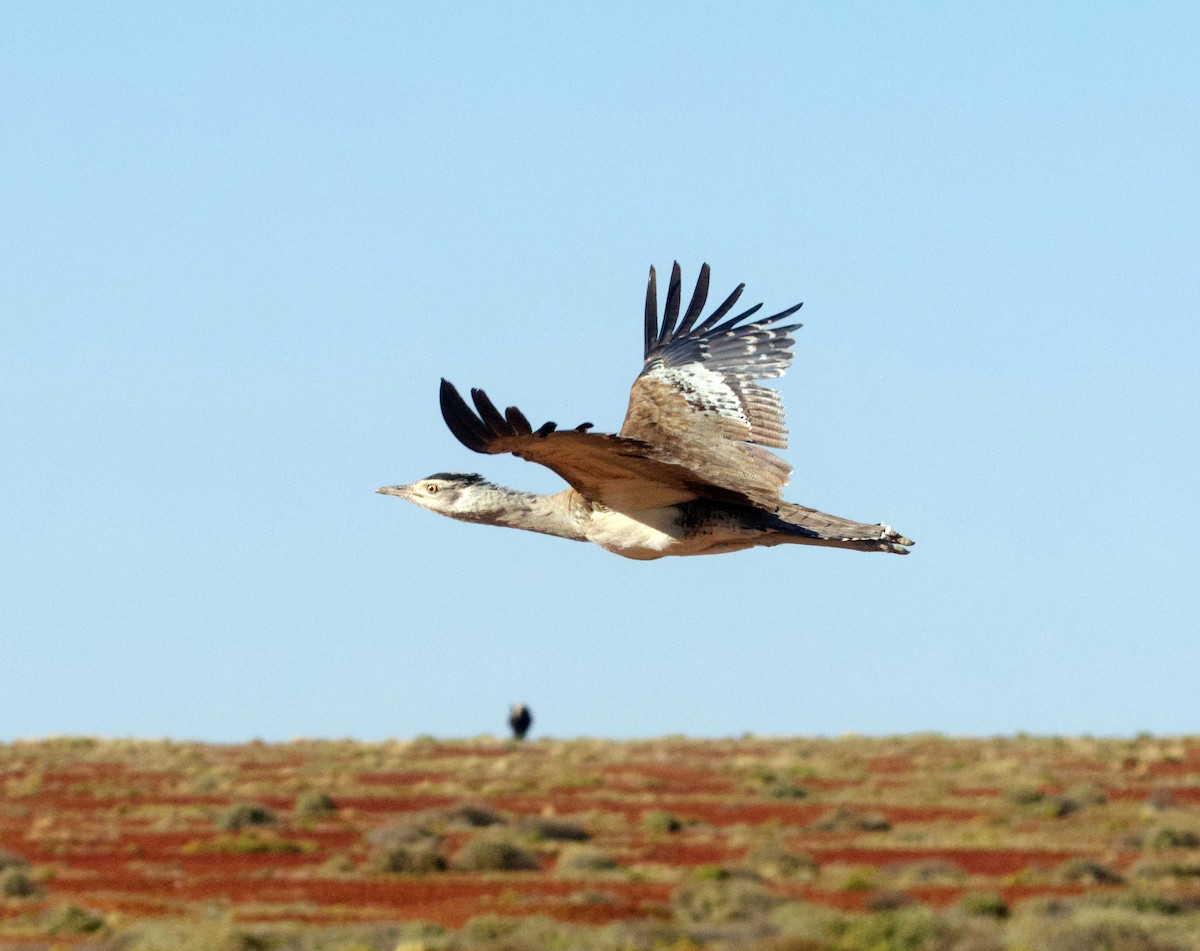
<point x="810" y="527"/>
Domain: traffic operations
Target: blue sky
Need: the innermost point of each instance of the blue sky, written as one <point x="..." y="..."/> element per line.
<point x="240" y="245"/>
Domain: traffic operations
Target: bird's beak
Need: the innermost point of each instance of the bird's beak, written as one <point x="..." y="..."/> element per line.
<point x="400" y="490"/>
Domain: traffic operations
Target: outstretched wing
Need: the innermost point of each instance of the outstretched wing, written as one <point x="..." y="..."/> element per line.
<point x="698" y="400"/>
<point x="622" y="473"/>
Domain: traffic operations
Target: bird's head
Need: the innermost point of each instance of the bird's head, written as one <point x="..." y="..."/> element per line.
<point x="448" y="493"/>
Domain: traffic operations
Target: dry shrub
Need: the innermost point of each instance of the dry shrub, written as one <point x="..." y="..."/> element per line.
<point x="244" y="814"/>
<point x="314" y="805"/>
<point x="774" y="861"/>
<point x="494" y="855"/>
<point x="722" y="902"/>
<point x="471" y="816"/>
<point x="553" y="830"/>
<point x="407" y="846"/>
<point x="584" y="860"/>
<point x="1102" y="929"/>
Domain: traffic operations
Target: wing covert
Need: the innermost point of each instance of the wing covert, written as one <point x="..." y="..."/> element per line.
<point x="698" y="398"/>
<point x="622" y="473"/>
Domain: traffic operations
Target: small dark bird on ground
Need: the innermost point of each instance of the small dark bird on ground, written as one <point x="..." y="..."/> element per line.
<point x="520" y="719"/>
<point x="689" y="473"/>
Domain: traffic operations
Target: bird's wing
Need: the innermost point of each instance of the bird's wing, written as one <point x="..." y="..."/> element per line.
<point x="622" y="473"/>
<point x="698" y="400"/>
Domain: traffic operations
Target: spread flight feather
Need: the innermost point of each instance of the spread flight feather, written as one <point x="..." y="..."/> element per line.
<point x="696" y="422"/>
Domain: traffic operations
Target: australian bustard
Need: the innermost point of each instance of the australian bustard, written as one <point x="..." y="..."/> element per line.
<point x="687" y="475"/>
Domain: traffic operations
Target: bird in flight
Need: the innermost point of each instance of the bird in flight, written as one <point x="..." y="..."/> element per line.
<point x="690" y="472"/>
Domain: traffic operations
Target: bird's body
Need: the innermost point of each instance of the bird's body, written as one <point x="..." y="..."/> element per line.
<point x="520" y="719"/>
<point x="687" y="475"/>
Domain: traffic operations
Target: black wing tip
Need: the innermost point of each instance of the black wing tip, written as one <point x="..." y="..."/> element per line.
<point x="467" y="428"/>
<point x="479" y="429"/>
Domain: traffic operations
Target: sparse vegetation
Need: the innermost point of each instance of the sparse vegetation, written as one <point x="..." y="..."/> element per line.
<point x="584" y="860"/>
<point x="1171" y="838"/>
<point x="659" y="822"/>
<point x="985" y="904"/>
<point x="243" y="815"/>
<point x="494" y="855"/>
<point x="314" y="804"/>
<point x="16" y="882"/>
<point x="722" y="902"/>
<point x="554" y="830"/>
<point x="920" y="843"/>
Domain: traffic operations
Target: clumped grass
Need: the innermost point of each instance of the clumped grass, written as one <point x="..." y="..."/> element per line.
<point x="1187" y="867"/>
<point x="1056" y="807"/>
<point x="584" y="860"/>
<point x="984" y="904"/>
<point x="1102" y="929"/>
<point x="407" y="846"/>
<point x="472" y="816"/>
<point x="1171" y="838"/>
<point x="73" y="920"/>
<point x="11" y="860"/>
<point x="494" y="855"/>
<point x="419" y="857"/>
<point x="890" y="900"/>
<point x="722" y="902"/>
<point x="859" y="880"/>
<point x="16" y="882"/>
<point x="907" y="929"/>
<point x="1024" y="795"/>
<point x="928" y="872"/>
<point x="1088" y="872"/>
<point x="773" y="861"/>
<point x="248" y="843"/>
<point x="851" y="820"/>
<point x="553" y="830"/>
<point x="314" y="804"/>
<point x="243" y="815"/>
<point x="658" y="822"/>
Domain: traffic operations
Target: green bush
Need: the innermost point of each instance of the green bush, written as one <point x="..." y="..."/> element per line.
<point x="1188" y="868"/>
<point x="983" y="905"/>
<point x="418" y="857"/>
<point x="244" y="814"/>
<point x="15" y="882"/>
<point x="70" y="919"/>
<point x="661" y="823"/>
<point x="773" y="861"/>
<point x="783" y="789"/>
<point x="406" y="846"/>
<point x="1024" y="795"/>
<point x="722" y="902"/>
<point x="554" y="830"/>
<point x="1168" y="838"/>
<point x="248" y="843"/>
<point x="584" y="859"/>
<point x="850" y="820"/>
<point x="909" y="929"/>
<point x="472" y="816"/>
<point x="494" y="855"/>
<point x="1088" y="872"/>
<point x="1107" y="929"/>
<point x="11" y="860"/>
<point x="314" y="805"/>
<point x="1056" y="807"/>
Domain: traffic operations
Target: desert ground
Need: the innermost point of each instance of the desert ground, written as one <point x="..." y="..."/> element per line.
<point x="791" y="844"/>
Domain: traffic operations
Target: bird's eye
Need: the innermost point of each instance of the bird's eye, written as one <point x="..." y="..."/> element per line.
<point x="431" y="488"/>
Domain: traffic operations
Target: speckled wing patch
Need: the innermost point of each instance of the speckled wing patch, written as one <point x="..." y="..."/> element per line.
<point x="698" y="397"/>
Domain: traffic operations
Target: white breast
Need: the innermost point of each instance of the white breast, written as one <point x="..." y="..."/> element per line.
<point x="650" y="533"/>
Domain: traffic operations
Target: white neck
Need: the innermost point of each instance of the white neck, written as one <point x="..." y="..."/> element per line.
<point x="558" y="514"/>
